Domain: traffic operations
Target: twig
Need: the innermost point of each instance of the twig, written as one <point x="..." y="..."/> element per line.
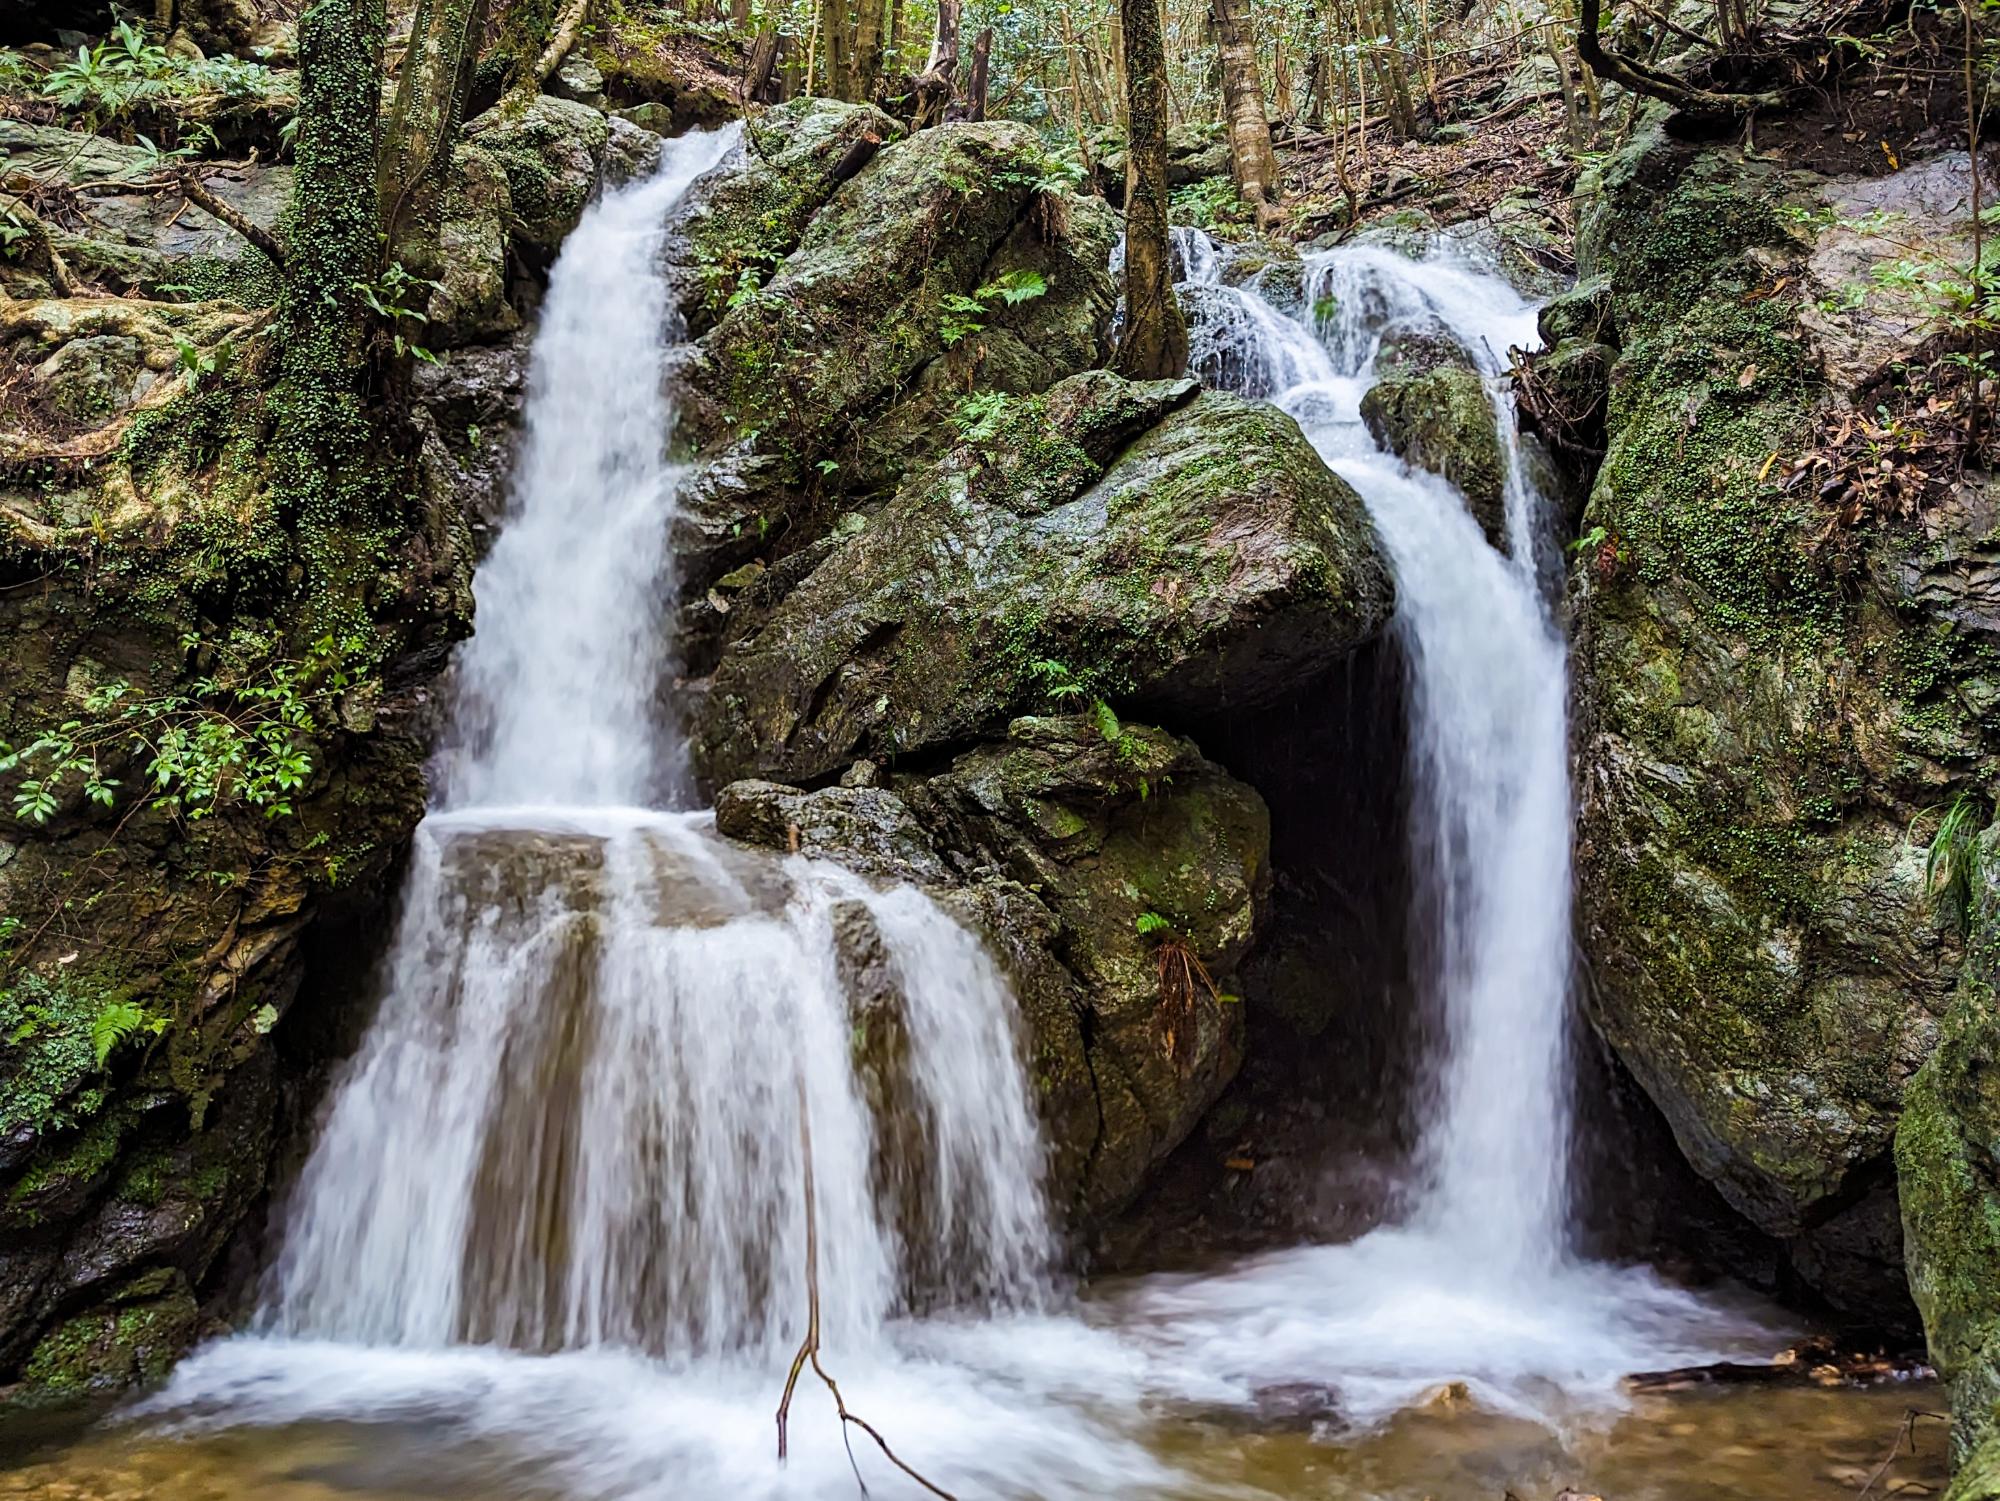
<point x="809" y="1346"/>
<point x="1907" y="1431"/>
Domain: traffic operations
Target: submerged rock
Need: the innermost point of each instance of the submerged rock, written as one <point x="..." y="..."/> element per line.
<point x="1180" y="553"/>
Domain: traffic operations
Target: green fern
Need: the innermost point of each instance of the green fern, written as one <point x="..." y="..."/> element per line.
<point x="117" y="1024"/>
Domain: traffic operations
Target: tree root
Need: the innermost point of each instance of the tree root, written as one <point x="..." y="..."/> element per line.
<point x="809" y="1347"/>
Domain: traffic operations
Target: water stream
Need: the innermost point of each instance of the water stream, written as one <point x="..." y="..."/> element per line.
<point x="550" y="1239"/>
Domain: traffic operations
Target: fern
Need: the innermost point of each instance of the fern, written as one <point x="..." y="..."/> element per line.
<point x="117" y="1024"/>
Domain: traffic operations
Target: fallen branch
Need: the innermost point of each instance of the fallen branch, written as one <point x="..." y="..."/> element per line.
<point x="197" y="192"/>
<point x="1907" y="1432"/>
<point x="562" y="37"/>
<point x="1657" y="83"/>
<point x="809" y="1346"/>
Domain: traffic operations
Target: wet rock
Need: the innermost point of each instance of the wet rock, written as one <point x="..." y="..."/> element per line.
<point x="1181" y="553"/>
<point x="1442" y="420"/>
<point x="131" y="1342"/>
<point x="1948" y="1175"/>
<point x="1760" y="735"/>
<point x="1052" y="843"/>
<point x="470" y="303"/>
<point x="549" y="153"/>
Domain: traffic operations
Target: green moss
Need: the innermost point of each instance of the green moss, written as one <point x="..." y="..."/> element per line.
<point x="110" y="1349"/>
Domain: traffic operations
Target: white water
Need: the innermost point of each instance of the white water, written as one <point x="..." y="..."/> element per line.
<point x="554" y="1218"/>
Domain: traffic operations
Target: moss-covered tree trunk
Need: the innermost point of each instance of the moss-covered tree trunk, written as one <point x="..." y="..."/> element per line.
<point x="423" y="128"/>
<point x="1154" y="345"/>
<point x="321" y="467"/>
<point x="871" y="17"/>
<point x="1250" y="155"/>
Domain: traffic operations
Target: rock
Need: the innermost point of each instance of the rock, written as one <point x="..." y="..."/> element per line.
<point x="93" y="379"/>
<point x="1053" y="843"/>
<point x="549" y="153"/>
<point x="1583" y="312"/>
<point x="1948" y="1176"/>
<point x="631" y="152"/>
<point x="1185" y="554"/>
<point x="578" y="79"/>
<point x="131" y="1342"/>
<point x="1442" y="420"/>
<point x="1760" y="734"/>
<point x="805" y="359"/>
<point x="470" y="303"/>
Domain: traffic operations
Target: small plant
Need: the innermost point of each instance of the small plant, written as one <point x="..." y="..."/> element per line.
<point x="196" y="362"/>
<point x="242" y="735"/>
<point x="1183" y="980"/>
<point x="964" y="316"/>
<point x="1211" y="203"/>
<point x="118" y="1023"/>
<point x="977" y="417"/>
<point x="397" y="296"/>
<point x="1952" y="864"/>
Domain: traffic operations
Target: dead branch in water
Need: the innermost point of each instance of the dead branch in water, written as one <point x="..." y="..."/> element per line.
<point x="1906" y="1433"/>
<point x="809" y="1346"/>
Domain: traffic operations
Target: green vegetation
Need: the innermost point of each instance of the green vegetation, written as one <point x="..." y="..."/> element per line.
<point x="1951" y="864"/>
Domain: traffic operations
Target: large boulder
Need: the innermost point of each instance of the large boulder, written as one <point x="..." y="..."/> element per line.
<point x="1948" y="1171"/>
<point x="550" y="152"/>
<point x="1119" y="877"/>
<point x="859" y="287"/>
<point x="1437" y="415"/>
<point x="1774" y="691"/>
<point x="1183" y="553"/>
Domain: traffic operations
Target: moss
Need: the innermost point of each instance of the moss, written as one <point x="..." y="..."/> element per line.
<point x="133" y="1342"/>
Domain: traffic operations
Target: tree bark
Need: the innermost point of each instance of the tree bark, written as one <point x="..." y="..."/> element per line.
<point x="763" y="59"/>
<point x="423" y="127"/>
<point x="976" y="84"/>
<point x="936" y="86"/>
<point x="1250" y="154"/>
<point x="836" y="55"/>
<point x="870" y="19"/>
<point x="562" y="37"/>
<point x="1154" y="345"/>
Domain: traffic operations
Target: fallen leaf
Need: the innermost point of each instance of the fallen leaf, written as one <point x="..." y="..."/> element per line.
<point x="1894" y="165"/>
<point x="1762" y="473"/>
<point x="1749" y="374"/>
<point x="1239" y="1164"/>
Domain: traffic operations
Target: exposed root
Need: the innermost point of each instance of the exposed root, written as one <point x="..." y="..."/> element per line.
<point x="809" y="1347"/>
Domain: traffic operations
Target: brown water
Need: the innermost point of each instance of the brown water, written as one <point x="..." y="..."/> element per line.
<point x="1790" y="1443"/>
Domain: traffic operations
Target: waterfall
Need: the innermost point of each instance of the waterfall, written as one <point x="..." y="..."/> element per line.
<point x="1490" y="820"/>
<point x="551" y="1236"/>
<point x="577" y="1121"/>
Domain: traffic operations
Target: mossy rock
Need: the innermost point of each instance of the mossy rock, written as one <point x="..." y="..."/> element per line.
<point x="1948" y="1177"/>
<point x="132" y="1342"/>
<point x="1182" y="554"/>
<point x="1760" y="736"/>
<point x="549" y="151"/>
<point x="1054" y="843"/>
<point x="1442" y="420"/>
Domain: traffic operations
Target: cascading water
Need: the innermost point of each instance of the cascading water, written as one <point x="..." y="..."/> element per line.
<point x="554" y="1221"/>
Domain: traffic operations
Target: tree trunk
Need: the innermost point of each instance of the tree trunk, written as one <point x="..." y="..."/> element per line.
<point x="562" y="37"/>
<point x="870" y="19"/>
<point x="757" y="71"/>
<point x="1250" y="154"/>
<point x="835" y="50"/>
<point x="976" y="84"/>
<point x="423" y="128"/>
<point x="935" y="88"/>
<point x="1154" y="345"/>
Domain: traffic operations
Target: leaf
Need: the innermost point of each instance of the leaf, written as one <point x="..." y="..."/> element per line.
<point x="1749" y="374"/>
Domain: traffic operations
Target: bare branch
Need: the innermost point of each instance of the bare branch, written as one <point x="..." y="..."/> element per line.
<point x="197" y="191"/>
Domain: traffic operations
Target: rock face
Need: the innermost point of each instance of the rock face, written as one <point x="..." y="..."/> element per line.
<point x="1093" y="859"/>
<point x="1948" y="1170"/>
<point x="1771" y="698"/>
<point x="162" y="586"/>
<point x="854" y="287"/>
<point x="1182" y="553"/>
